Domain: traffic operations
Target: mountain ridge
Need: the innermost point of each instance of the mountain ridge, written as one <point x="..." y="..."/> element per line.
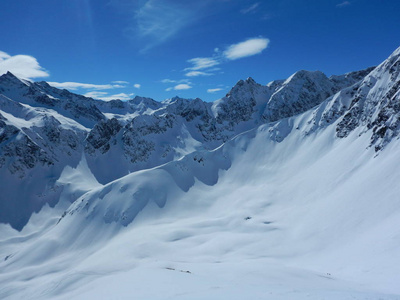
<point x="220" y="203"/>
<point x="142" y="133"/>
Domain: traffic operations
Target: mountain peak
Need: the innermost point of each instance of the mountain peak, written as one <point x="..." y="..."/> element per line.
<point x="395" y="53"/>
<point x="250" y="80"/>
<point x="9" y="79"/>
<point x="9" y="76"/>
<point x="307" y="74"/>
<point x="241" y="82"/>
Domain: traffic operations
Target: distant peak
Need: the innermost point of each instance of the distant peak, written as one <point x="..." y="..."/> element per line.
<point x="10" y="77"/>
<point x="306" y="72"/>
<point x="176" y="98"/>
<point x="240" y="82"/>
<point x="45" y="83"/>
<point x="303" y="74"/>
<point x="250" y="80"/>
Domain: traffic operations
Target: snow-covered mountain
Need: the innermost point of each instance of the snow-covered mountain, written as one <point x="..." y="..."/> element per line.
<point x="282" y="191"/>
<point x="45" y="129"/>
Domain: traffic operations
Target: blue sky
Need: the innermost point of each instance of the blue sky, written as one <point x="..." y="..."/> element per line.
<point x="162" y="48"/>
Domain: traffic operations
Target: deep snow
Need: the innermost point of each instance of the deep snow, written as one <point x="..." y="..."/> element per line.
<point x="312" y="217"/>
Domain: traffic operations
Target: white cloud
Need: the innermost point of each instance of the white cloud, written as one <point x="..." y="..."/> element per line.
<point x="95" y="94"/>
<point x="343" y="4"/>
<point x="197" y="73"/>
<point x="23" y="66"/>
<point x="137" y="85"/>
<point x="213" y="90"/>
<point x="182" y="86"/>
<point x="168" y="81"/>
<point x="200" y="63"/>
<point x="106" y="97"/>
<point x="3" y="56"/>
<point x="78" y="85"/>
<point x="120" y="96"/>
<point x="179" y="87"/>
<point x="120" y="82"/>
<point x="250" y="9"/>
<point x="247" y="48"/>
<point x="175" y="81"/>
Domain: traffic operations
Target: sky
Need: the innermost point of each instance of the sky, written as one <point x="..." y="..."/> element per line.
<point x="119" y="49"/>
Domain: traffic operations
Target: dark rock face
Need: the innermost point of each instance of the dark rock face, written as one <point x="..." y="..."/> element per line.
<point x="233" y="112"/>
<point x="386" y="125"/>
<point x="41" y="94"/>
<point x="342" y="81"/>
<point x="18" y="152"/>
<point x="301" y="92"/>
<point x="349" y="122"/>
<point x="102" y="135"/>
<point x="24" y="154"/>
<point x="6" y="131"/>
<point x="375" y="104"/>
<point x="139" y="135"/>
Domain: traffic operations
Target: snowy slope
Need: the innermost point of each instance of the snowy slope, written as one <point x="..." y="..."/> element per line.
<point x="297" y="224"/>
<point x="44" y="130"/>
<point x="305" y="207"/>
<point x="35" y="146"/>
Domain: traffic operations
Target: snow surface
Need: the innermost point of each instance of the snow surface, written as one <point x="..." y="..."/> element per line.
<point x="292" y="224"/>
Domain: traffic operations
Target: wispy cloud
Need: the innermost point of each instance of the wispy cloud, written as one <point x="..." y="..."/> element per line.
<point x="200" y="63"/>
<point x="106" y="97"/>
<point x="78" y="85"/>
<point x="24" y="66"/>
<point x="197" y="73"/>
<point x="157" y="21"/>
<point x="250" y="9"/>
<point x="120" y="82"/>
<point x="243" y="49"/>
<point x="343" y="4"/>
<point x="137" y="85"/>
<point x="160" y="20"/>
<point x="247" y="48"/>
<point x="167" y="80"/>
<point x="95" y="94"/>
<point x="182" y="86"/>
<point x="213" y="90"/>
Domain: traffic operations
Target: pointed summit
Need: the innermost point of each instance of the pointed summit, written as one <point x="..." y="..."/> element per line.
<point x="9" y="80"/>
<point x="250" y="80"/>
<point x="9" y="76"/>
<point x="243" y="85"/>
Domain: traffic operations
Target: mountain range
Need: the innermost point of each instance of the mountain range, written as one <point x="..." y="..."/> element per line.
<point x="279" y="191"/>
